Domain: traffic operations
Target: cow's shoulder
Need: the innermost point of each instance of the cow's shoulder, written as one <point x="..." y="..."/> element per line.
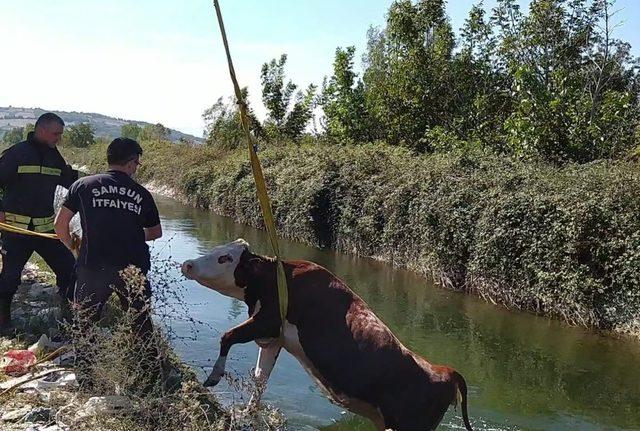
<point x="307" y="274"/>
<point x="304" y="268"/>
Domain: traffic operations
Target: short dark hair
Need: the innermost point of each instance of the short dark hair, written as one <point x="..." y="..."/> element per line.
<point x="123" y="150"/>
<point x="48" y="118"/>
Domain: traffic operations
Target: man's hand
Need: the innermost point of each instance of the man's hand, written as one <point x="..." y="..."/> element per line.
<point x="61" y="226"/>
<point x="152" y="233"/>
<point x="3" y="218"/>
<point x="75" y="244"/>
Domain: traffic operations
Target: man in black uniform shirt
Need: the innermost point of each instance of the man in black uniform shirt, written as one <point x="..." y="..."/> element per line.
<point x="118" y="216"/>
<point x="30" y="171"/>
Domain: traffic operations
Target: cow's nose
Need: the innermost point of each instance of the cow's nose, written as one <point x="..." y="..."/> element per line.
<point x="187" y="268"/>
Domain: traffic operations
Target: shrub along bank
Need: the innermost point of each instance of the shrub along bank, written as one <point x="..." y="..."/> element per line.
<point x="562" y="242"/>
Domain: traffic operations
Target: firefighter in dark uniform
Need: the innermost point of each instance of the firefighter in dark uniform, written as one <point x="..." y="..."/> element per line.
<point x="30" y="171"/>
<point x="118" y="216"/>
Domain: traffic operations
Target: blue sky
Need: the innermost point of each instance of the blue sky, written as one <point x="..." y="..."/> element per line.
<point x="162" y="61"/>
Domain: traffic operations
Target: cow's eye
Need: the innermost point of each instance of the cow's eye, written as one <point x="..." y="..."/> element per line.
<point x="224" y="259"/>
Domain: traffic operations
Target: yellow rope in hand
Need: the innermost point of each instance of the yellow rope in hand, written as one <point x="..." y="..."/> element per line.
<point x="13" y="229"/>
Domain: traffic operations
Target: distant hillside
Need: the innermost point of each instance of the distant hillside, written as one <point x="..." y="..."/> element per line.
<point x="103" y="125"/>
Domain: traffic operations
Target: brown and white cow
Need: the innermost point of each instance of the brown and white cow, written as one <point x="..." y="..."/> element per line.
<point x="341" y="343"/>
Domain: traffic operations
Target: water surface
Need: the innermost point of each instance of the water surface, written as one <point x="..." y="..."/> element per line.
<point x="524" y="372"/>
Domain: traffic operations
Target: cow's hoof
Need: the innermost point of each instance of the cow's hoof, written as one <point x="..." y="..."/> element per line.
<point x="213" y="379"/>
<point x="211" y="382"/>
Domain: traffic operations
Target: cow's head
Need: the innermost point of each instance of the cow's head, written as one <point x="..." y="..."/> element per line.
<point x="216" y="270"/>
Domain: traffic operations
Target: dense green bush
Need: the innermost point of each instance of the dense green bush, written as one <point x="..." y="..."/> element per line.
<point x="563" y="242"/>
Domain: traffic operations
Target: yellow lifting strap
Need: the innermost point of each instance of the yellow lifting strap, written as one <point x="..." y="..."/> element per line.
<point x="258" y="177"/>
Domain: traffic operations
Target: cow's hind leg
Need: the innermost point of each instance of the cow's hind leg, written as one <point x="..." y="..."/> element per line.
<point x="420" y="419"/>
<point x="436" y="413"/>
<point x="267" y="357"/>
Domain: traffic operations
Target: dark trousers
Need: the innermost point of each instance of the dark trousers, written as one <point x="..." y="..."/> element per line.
<point x="95" y="286"/>
<point x="93" y="289"/>
<point x="17" y="251"/>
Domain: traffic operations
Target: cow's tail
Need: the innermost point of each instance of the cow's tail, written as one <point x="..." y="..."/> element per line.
<point x="461" y="395"/>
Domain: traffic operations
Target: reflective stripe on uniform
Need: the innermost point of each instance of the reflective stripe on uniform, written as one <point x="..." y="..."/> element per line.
<point x="51" y="171"/>
<point x="42" y="220"/>
<point x="16" y="224"/>
<point x="45" y="170"/>
<point x="17" y="218"/>
<point x="44" y="228"/>
<point x="29" y="169"/>
<point x="40" y="224"/>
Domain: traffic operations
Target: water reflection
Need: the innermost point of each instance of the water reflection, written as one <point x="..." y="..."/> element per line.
<point x="524" y="372"/>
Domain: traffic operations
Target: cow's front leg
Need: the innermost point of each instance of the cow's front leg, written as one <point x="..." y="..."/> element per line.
<point x="249" y="330"/>
<point x="267" y="357"/>
<point x="218" y="371"/>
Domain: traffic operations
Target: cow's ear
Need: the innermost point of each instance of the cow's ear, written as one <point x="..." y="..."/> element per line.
<point x="248" y="270"/>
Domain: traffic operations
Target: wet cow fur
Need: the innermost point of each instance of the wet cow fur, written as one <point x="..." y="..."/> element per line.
<point x="342" y="344"/>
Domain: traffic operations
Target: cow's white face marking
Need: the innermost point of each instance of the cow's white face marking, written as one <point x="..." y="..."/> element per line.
<point x="216" y="269"/>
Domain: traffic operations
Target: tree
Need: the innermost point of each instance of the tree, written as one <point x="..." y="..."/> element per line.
<point x="408" y="81"/>
<point x="551" y="84"/>
<point x="300" y="114"/>
<point x="343" y="101"/>
<point x="29" y="127"/>
<point x="575" y="87"/>
<point x="289" y="111"/>
<point x="154" y="132"/>
<point x="12" y="136"/>
<point x="223" y="126"/>
<point x="79" y="135"/>
<point x="479" y="81"/>
<point x="131" y="131"/>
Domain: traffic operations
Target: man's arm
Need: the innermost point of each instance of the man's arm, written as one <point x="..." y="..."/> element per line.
<point x="153" y="232"/>
<point x="8" y="169"/>
<point x="61" y="226"/>
<point x="68" y="176"/>
<point x="151" y="218"/>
